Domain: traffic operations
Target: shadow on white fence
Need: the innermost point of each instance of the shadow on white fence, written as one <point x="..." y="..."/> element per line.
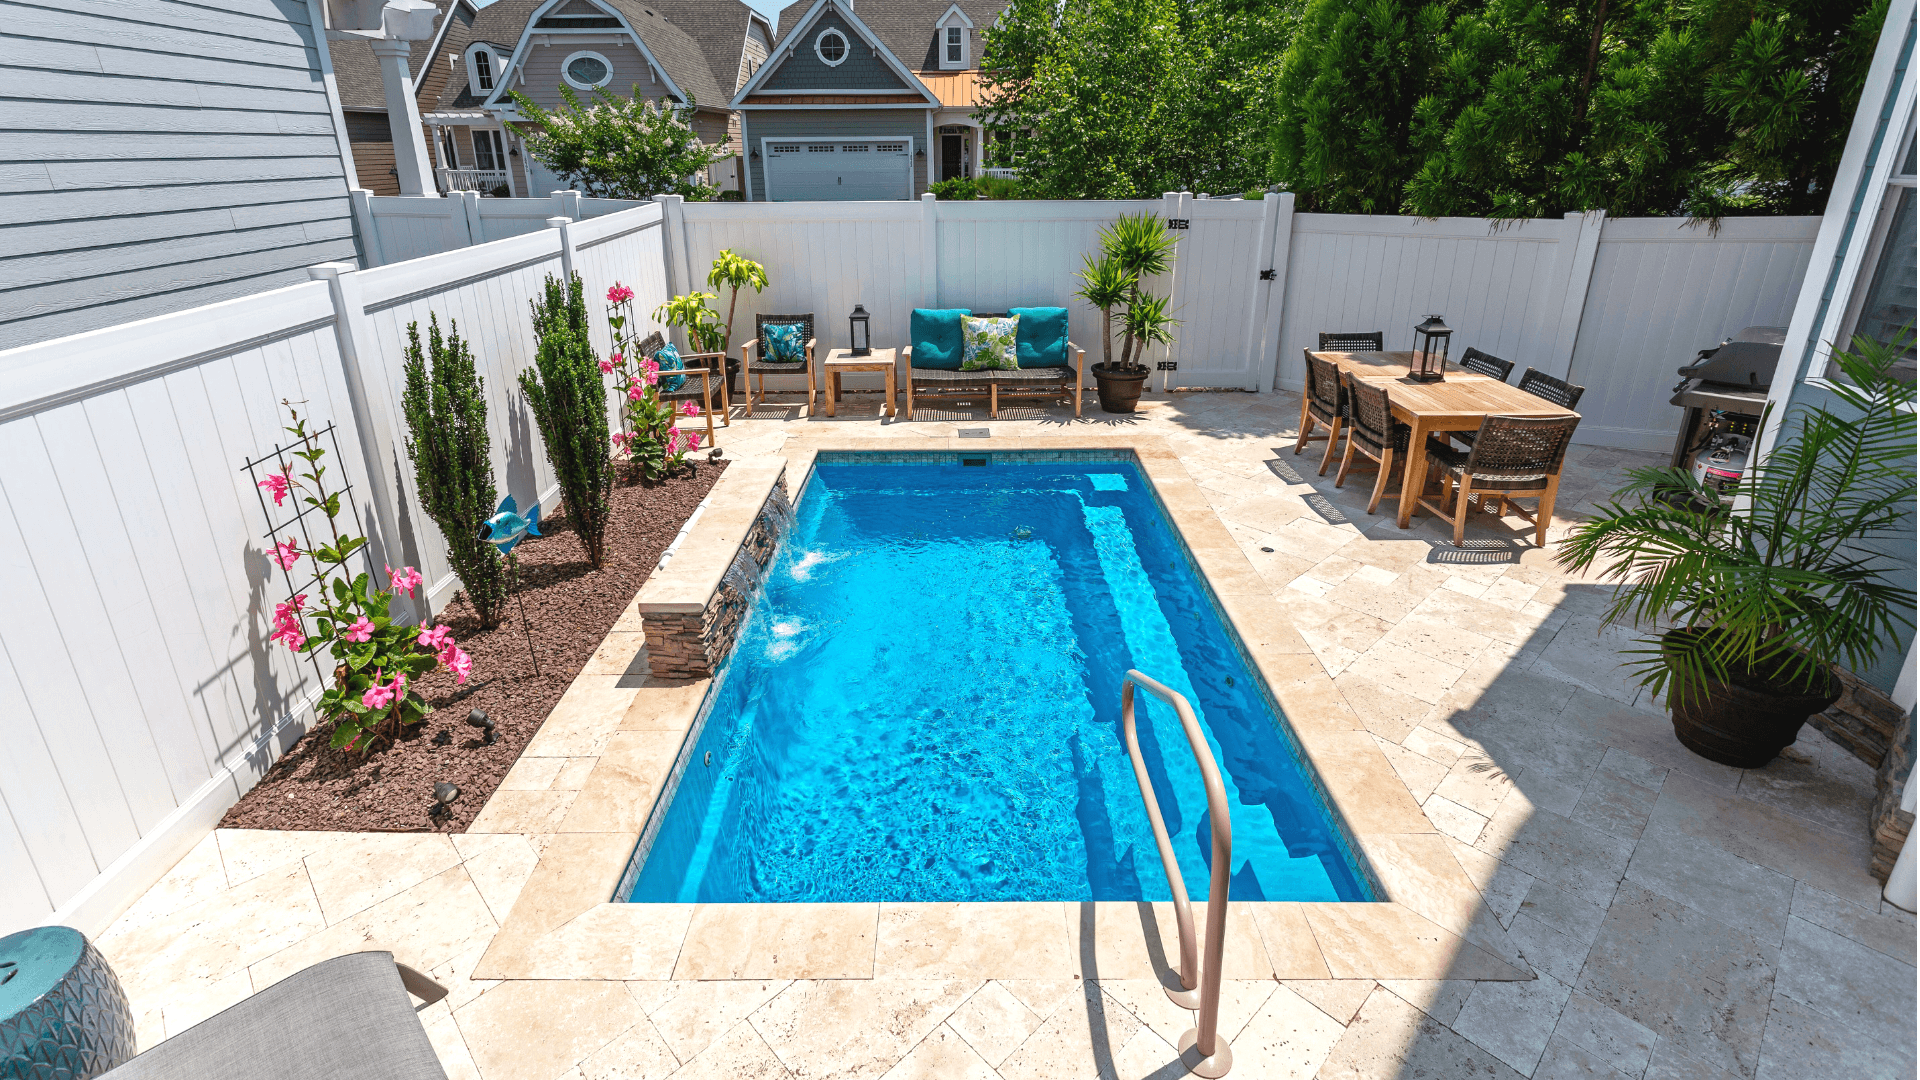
<point x="138" y="696"/>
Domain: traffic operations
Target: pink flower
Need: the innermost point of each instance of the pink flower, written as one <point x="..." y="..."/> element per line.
<point x="379" y="697"/>
<point x="404" y="581"/>
<point x="688" y="408"/>
<point x="619" y="294"/>
<point x="457" y="661"/>
<point x="606" y="367"/>
<point x="276" y="485"/>
<point x="361" y="630"/>
<point x="437" y="638"/>
<point x="285" y="553"/>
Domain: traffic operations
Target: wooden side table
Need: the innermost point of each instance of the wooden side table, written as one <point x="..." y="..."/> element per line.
<point x="841" y="361"/>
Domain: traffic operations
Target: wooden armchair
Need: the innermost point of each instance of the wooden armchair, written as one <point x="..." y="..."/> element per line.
<point x="754" y="362"/>
<point x="705" y="365"/>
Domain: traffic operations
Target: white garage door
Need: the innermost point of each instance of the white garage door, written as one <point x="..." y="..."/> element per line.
<point x="840" y="169"/>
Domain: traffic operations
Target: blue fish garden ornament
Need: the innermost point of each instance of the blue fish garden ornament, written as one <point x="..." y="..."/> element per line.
<point x="507" y="528"/>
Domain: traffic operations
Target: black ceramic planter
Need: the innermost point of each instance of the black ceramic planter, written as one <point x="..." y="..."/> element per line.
<point x="1744" y="726"/>
<point x="1119" y="390"/>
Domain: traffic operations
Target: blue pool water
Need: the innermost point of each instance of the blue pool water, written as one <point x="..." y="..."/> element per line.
<point x="924" y="704"/>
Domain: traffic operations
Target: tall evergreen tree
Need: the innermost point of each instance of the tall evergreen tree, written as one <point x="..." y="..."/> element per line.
<point x="569" y="401"/>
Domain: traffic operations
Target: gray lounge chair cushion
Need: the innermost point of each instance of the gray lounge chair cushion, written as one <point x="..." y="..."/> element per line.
<point x="347" y="1018"/>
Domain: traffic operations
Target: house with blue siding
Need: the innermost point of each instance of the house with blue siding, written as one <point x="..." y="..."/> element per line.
<point x="869" y="105"/>
<point x="157" y="156"/>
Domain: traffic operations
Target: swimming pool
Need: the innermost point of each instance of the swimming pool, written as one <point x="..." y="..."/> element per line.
<point x="924" y="705"/>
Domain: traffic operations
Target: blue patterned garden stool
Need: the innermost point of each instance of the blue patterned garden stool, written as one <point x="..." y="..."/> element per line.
<point x="65" y="1016"/>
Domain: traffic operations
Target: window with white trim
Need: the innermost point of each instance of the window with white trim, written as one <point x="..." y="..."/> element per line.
<point x="831" y="47"/>
<point x="1882" y="306"/>
<point x="586" y="70"/>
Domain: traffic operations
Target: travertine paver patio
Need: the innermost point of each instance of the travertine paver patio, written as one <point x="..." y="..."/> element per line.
<point x="1682" y="919"/>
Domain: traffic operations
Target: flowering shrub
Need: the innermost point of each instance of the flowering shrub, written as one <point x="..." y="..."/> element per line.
<point x="376" y="657"/>
<point x="650" y="436"/>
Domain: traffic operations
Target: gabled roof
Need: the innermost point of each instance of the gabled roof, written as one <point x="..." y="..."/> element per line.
<point x="803" y="19"/>
<point x="358" y="74"/>
<point x="906" y="27"/>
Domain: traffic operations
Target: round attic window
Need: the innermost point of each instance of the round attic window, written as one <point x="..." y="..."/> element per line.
<point x="587" y="70"/>
<point x="831" y="47"/>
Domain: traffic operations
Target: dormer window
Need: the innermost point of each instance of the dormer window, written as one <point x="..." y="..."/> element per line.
<point x="483" y="69"/>
<point x="953" y="40"/>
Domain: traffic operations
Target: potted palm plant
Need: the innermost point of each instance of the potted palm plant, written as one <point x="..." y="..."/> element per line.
<point x="1764" y="593"/>
<point x="1133" y="247"/>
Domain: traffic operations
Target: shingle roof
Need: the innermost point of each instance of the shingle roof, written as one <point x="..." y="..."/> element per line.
<point x="358" y="74"/>
<point x="698" y="42"/>
<point x="906" y="27"/>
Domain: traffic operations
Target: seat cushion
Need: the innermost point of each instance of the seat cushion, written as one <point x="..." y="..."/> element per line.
<point x="781" y="343"/>
<point x="937" y="340"/>
<point x="669" y="360"/>
<point x="990" y="343"/>
<point x="1042" y="337"/>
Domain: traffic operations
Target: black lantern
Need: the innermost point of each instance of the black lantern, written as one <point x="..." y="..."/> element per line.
<point x="1430" y="351"/>
<point x="857" y="332"/>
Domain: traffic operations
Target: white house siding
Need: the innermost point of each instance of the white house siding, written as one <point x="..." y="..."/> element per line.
<point x="157" y="155"/>
<point x="833" y="124"/>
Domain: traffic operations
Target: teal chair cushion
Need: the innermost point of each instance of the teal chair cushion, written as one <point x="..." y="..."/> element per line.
<point x="1043" y="337"/>
<point x="937" y="339"/>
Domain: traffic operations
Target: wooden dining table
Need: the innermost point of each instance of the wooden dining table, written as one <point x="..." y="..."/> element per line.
<point x="1458" y="403"/>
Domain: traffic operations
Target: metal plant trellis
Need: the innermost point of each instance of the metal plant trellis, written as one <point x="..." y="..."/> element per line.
<point x="276" y="528"/>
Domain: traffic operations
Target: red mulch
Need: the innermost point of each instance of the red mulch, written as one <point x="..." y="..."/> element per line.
<point x="571" y="607"/>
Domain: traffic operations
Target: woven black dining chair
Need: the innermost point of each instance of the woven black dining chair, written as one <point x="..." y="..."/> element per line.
<point x="1514" y="456"/>
<point x="1542" y="385"/>
<point x="1323" y="403"/>
<point x="1371" y="432"/>
<point x="1486" y="364"/>
<point x="1352" y="341"/>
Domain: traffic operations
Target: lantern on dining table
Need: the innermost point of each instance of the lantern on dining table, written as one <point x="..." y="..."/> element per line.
<point x="857" y="337"/>
<point x="1430" y="350"/>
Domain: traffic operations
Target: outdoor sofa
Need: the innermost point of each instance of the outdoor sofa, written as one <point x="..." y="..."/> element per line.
<point x="1050" y="363"/>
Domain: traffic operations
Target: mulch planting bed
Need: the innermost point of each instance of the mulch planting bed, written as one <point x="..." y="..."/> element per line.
<point x="570" y="606"/>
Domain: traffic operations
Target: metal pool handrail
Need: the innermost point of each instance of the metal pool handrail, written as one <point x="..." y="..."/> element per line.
<point x="1216" y="1057"/>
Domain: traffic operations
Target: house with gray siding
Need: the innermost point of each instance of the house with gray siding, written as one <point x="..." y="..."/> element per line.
<point x="692" y="53"/>
<point x="869" y="105"/>
<point x="157" y="156"/>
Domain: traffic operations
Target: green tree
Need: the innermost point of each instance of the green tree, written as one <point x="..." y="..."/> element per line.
<point x="1126" y="99"/>
<point x="618" y="147"/>
<point x="1526" y="108"/>
<point x="446" y="410"/>
<point x="569" y="402"/>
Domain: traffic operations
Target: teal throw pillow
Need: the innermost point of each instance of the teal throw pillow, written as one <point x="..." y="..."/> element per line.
<point x="937" y="340"/>
<point x="669" y="360"/>
<point x="1043" y="336"/>
<point x="990" y="344"/>
<point x="783" y="344"/>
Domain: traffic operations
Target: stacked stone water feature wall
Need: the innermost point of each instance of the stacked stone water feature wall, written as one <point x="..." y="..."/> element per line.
<point x="689" y="645"/>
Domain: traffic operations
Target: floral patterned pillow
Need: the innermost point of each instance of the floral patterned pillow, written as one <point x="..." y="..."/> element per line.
<point x="669" y="360"/>
<point x="988" y="344"/>
<point x="783" y="343"/>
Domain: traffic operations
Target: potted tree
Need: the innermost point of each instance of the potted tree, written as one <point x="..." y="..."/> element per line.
<point x="1133" y="247"/>
<point x="1765" y="593"/>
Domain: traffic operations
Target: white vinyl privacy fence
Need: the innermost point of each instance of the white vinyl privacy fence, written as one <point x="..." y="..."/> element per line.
<point x="138" y="695"/>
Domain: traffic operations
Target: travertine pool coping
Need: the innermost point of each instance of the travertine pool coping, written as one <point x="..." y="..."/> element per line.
<point x="1430" y="922"/>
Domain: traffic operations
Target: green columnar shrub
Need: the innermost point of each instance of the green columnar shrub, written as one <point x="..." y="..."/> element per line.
<point x="569" y="401"/>
<point x="446" y="407"/>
